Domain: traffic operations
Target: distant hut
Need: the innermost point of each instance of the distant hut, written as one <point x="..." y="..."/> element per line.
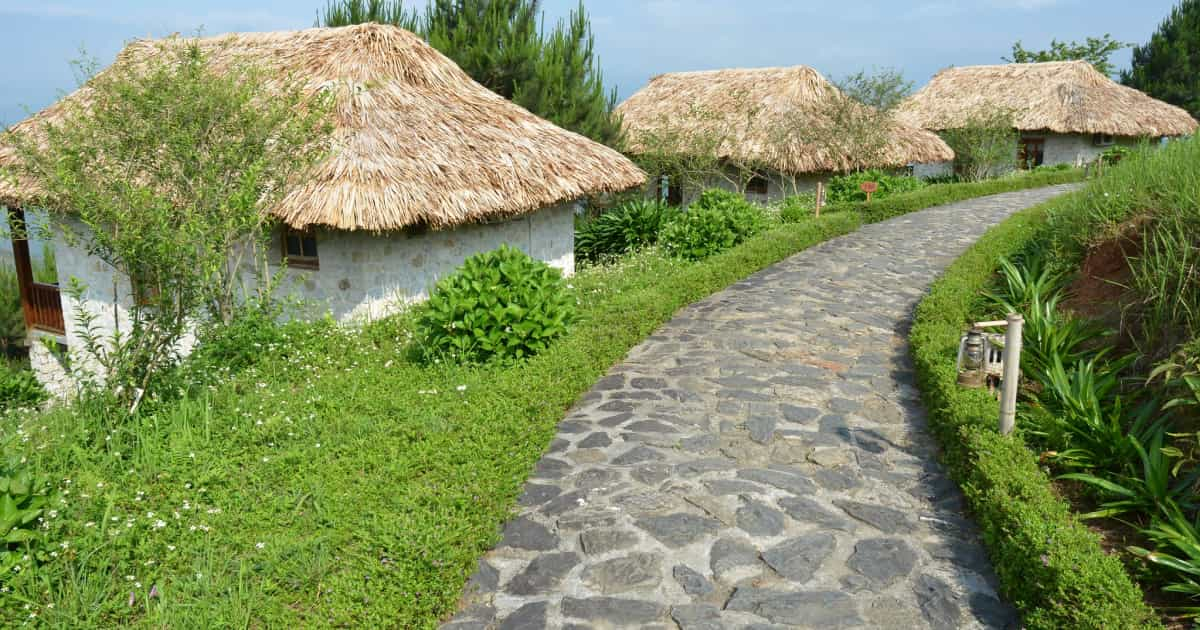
<point x="428" y="167"/>
<point x="761" y="117"/>
<point x="1066" y="111"/>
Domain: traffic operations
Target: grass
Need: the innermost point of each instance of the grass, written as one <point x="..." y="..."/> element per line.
<point x="1051" y="567"/>
<point x="334" y="483"/>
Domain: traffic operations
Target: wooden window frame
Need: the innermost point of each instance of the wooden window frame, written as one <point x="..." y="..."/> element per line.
<point x="311" y="263"/>
<point x="758" y="185"/>
<point x="1103" y="140"/>
<point x="1023" y="155"/>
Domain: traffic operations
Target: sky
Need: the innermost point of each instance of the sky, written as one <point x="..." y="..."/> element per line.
<point x="635" y="40"/>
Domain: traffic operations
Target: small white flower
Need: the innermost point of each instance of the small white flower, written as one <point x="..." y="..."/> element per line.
<point x="159" y="524"/>
<point x="461" y="388"/>
<point x="260" y="545"/>
<point x="170" y="547"/>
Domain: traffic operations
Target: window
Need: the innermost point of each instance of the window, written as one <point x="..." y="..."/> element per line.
<point x="1102" y="139"/>
<point x="300" y="248"/>
<point x="757" y="185"/>
<point x="1031" y="152"/>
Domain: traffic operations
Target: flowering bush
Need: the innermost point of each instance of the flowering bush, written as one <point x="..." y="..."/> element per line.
<point x="500" y="305"/>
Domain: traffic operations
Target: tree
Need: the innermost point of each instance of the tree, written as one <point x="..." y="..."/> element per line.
<point x="554" y="74"/>
<point x="985" y="146"/>
<point x="1094" y="50"/>
<point x="170" y="166"/>
<point x="1168" y="66"/>
<point x="882" y="89"/>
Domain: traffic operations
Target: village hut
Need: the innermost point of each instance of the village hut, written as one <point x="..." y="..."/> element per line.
<point x="1066" y="112"/>
<point x="427" y="168"/>
<point x="780" y="123"/>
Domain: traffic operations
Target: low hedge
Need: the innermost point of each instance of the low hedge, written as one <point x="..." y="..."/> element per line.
<point x="1051" y="567"/>
<point x="938" y="194"/>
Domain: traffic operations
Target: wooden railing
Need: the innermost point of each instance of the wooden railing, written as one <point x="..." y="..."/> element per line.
<point x="44" y="309"/>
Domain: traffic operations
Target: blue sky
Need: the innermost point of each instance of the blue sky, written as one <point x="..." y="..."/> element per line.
<point x="634" y="39"/>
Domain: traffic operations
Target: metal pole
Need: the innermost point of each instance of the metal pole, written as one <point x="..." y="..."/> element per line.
<point x="1012" y="373"/>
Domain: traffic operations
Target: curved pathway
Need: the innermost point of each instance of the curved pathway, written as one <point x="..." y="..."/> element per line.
<point x="760" y="462"/>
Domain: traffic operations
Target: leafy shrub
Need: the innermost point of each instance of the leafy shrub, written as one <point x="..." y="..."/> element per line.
<point x="698" y="234"/>
<point x="794" y="208"/>
<point x="19" y="388"/>
<point x="844" y="188"/>
<point x="253" y="332"/>
<point x="24" y="498"/>
<point x="625" y="228"/>
<point x="500" y="305"/>
<point x="12" y="318"/>
<point x="716" y="221"/>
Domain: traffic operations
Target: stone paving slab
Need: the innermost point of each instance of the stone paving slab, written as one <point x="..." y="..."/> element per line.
<point x="760" y="462"/>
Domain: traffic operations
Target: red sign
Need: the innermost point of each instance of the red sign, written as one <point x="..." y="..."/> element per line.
<point x="868" y="187"/>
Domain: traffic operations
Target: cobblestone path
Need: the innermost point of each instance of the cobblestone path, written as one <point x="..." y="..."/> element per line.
<point x="760" y="462"/>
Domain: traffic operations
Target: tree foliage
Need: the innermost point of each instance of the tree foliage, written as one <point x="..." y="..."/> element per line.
<point x="1094" y="50"/>
<point x="985" y="146"/>
<point x="553" y="73"/>
<point x="168" y="170"/>
<point x="1168" y="66"/>
<point x="882" y="89"/>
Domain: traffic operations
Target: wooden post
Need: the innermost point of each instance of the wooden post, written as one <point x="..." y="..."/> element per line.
<point x="20" y="247"/>
<point x="820" y="198"/>
<point x="1012" y="373"/>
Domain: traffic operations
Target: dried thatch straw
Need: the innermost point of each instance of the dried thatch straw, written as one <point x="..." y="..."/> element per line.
<point x="1058" y="96"/>
<point x="755" y="107"/>
<point x="417" y="141"/>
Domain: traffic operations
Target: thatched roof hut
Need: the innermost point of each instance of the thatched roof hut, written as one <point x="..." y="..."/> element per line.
<point x="416" y="140"/>
<point x="1068" y="97"/>
<point x="761" y="114"/>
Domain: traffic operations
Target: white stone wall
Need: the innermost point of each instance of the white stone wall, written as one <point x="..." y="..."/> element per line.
<point x="1074" y="149"/>
<point x="933" y="169"/>
<point x="365" y="276"/>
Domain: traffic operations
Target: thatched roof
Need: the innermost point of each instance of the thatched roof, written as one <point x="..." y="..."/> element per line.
<point x="757" y="110"/>
<point x="416" y="140"/>
<point x="1058" y="96"/>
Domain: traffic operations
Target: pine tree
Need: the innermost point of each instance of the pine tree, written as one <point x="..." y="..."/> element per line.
<point x="1168" y="66"/>
<point x="499" y="43"/>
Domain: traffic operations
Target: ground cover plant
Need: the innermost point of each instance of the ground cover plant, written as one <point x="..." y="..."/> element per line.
<point x="1108" y="401"/>
<point x="333" y="476"/>
<point x="846" y="188"/>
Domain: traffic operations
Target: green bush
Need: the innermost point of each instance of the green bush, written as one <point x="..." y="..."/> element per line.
<point x="698" y="234"/>
<point x="1051" y="567"/>
<point x="845" y="188"/>
<point x="19" y="388"/>
<point x="797" y="207"/>
<point x="12" y="317"/>
<point x="625" y="228"/>
<point x="500" y="305"/>
<point x="25" y="497"/>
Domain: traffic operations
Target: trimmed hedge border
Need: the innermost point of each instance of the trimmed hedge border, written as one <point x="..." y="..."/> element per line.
<point x="939" y="194"/>
<point x="1051" y="567"/>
